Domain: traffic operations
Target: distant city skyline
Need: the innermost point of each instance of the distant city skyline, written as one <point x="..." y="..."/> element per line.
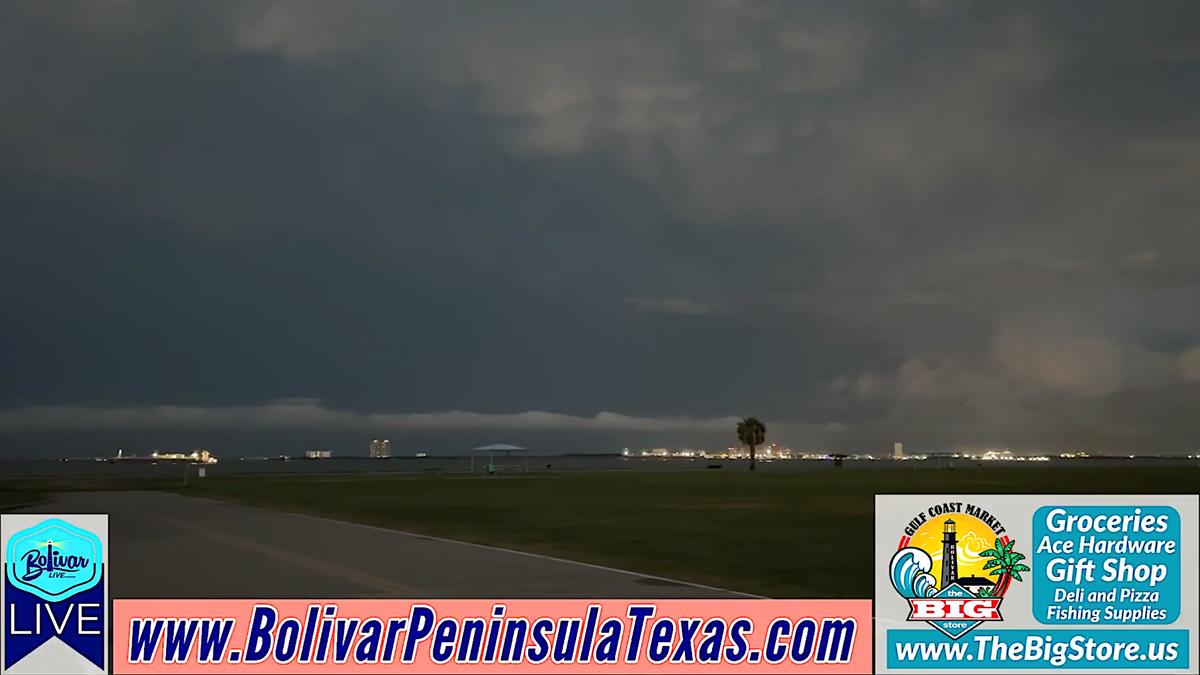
<point x="595" y="225"/>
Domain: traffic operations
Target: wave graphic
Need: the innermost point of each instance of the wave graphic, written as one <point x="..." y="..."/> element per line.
<point x="910" y="573"/>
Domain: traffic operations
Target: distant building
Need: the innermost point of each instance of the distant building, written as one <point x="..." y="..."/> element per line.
<point x="898" y="450"/>
<point x="381" y="448"/>
<point x="318" y="454"/>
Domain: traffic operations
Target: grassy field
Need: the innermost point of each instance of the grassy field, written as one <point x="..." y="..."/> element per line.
<point x="794" y="534"/>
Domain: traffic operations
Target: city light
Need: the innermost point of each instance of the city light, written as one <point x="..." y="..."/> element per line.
<point x="776" y="452"/>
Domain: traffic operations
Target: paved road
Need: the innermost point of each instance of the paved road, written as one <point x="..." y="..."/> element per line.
<point x="163" y="545"/>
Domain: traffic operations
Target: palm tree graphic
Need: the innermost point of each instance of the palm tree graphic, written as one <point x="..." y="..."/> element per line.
<point x="1007" y="564"/>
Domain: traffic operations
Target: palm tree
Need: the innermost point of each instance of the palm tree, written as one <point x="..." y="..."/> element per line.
<point x="751" y="432"/>
<point x="1007" y="563"/>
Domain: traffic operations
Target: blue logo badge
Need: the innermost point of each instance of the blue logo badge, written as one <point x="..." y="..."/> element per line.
<point x="54" y="560"/>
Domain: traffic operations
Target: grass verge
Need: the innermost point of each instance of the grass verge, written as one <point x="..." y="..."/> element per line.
<point x="793" y="534"/>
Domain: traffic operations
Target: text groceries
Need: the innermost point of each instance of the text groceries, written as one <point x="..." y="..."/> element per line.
<point x="1115" y="564"/>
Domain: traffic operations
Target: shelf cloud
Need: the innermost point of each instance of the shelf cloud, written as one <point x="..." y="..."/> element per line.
<point x="310" y="414"/>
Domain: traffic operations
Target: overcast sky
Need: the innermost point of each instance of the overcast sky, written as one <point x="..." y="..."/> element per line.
<point x="589" y="225"/>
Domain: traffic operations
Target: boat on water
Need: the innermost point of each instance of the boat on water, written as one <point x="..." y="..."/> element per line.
<point x="193" y="457"/>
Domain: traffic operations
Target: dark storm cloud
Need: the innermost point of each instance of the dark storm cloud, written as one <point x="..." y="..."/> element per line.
<point x="945" y="223"/>
<point x="309" y="414"/>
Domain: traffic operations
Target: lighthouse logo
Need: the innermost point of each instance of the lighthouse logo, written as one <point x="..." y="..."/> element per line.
<point x="54" y="560"/>
<point x="55" y="593"/>
<point x="953" y="566"/>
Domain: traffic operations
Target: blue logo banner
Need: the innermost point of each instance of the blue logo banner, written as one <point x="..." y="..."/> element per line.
<point x="30" y="621"/>
<point x="54" y="588"/>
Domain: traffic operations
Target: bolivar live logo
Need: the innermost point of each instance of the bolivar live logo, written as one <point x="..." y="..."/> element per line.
<point x="944" y="564"/>
<point x="55" y="594"/>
